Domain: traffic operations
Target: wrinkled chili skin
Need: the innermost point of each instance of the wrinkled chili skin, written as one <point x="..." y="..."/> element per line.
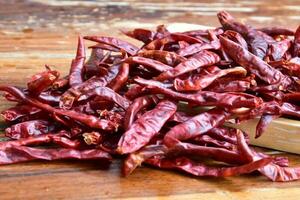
<point x="28" y="128"/>
<point x="201" y="59"/>
<point x="272" y="31"/>
<point x="18" y="112"/>
<point x="166" y="57"/>
<point x="138" y="104"/>
<point x="153" y="64"/>
<point x="42" y="81"/>
<point x="129" y="48"/>
<point x="296" y="47"/>
<point x="254" y="64"/>
<point x="146" y="127"/>
<point x="195" y="126"/>
<point x="256" y="40"/>
<point x="197" y="82"/>
<point x="77" y="65"/>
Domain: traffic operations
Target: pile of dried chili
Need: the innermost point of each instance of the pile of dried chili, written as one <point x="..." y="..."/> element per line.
<point x="146" y="103"/>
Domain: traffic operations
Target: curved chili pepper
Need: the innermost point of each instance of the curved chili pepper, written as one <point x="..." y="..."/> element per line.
<point x="137" y="105"/>
<point x="146" y="127"/>
<point x="28" y="128"/>
<point x="91" y="67"/>
<point x="19" y="112"/>
<point x="126" y="46"/>
<point x="198" y="169"/>
<point x="236" y="37"/>
<point x="195" y="48"/>
<point x="60" y="83"/>
<point x="17" y="154"/>
<point x="173" y="37"/>
<point x="231" y="84"/>
<point x="273" y="31"/>
<point x="256" y="40"/>
<point x="76" y="70"/>
<point x="201" y="59"/>
<point x="121" y="78"/>
<point x="89" y="120"/>
<point x="106" y="94"/>
<point x="166" y="57"/>
<point x="207" y="98"/>
<point x="72" y="94"/>
<point x="195" y="126"/>
<point x="140" y="34"/>
<point x="104" y="46"/>
<point x="296" y="46"/>
<point x="42" y="81"/>
<point x="264" y="121"/>
<point x="147" y="62"/>
<point x="254" y="64"/>
<point x="197" y="82"/>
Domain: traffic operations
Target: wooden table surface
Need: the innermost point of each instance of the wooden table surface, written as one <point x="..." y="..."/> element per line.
<point x="34" y="33"/>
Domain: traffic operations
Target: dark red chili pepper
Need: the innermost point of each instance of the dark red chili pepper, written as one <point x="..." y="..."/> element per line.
<point x="143" y="35"/>
<point x="195" y="48"/>
<point x="197" y="82"/>
<point x="296" y="46"/>
<point x="166" y="57"/>
<point x="147" y="62"/>
<point x="198" y="169"/>
<point x="28" y="128"/>
<point x="19" y="112"/>
<point x="72" y="94"/>
<point x="231" y="84"/>
<point x="207" y="98"/>
<point x="60" y="83"/>
<point x="146" y="127"/>
<point x="121" y="78"/>
<point x="76" y="70"/>
<point x="201" y="59"/>
<point x="137" y="105"/>
<point x="195" y="126"/>
<point x="89" y="120"/>
<point x="254" y="64"/>
<point x="42" y="81"/>
<point x="273" y="31"/>
<point x="129" y="48"/>
<point x="264" y="121"/>
<point x="106" y="47"/>
<point x="256" y="40"/>
<point x="106" y="93"/>
<point x="17" y="154"/>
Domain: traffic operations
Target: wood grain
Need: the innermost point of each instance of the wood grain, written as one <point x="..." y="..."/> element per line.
<point x="33" y="34"/>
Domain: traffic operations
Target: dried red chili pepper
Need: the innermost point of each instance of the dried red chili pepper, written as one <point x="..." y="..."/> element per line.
<point x="42" y="81"/>
<point x="254" y="64"/>
<point x="273" y="31"/>
<point x="129" y="48"/>
<point x="146" y="127"/>
<point x="166" y="57"/>
<point x="198" y="169"/>
<point x="143" y="35"/>
<point x="296" y="46"/>
<point x="195" y="126"/>
<point x="19" y="112"/>
<point x="147" y="62"/>
<point x="17" y="154"/>
<point x="106" y="93"/>
<point x="197" y="82"/>
<point x="201" y="59"/>
<point x="207" y="98"/>
<point x="195" y="48"/>
<point x="28" y="128"/>
<point x="256" y="40"/>
<point x="138" y="104"/>
<point x="77" y="65"/>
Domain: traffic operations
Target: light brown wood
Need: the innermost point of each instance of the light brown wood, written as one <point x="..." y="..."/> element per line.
<point x="34" y="34"/>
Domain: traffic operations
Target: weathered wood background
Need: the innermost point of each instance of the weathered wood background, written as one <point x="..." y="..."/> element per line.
<point x="34" y="33"/>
